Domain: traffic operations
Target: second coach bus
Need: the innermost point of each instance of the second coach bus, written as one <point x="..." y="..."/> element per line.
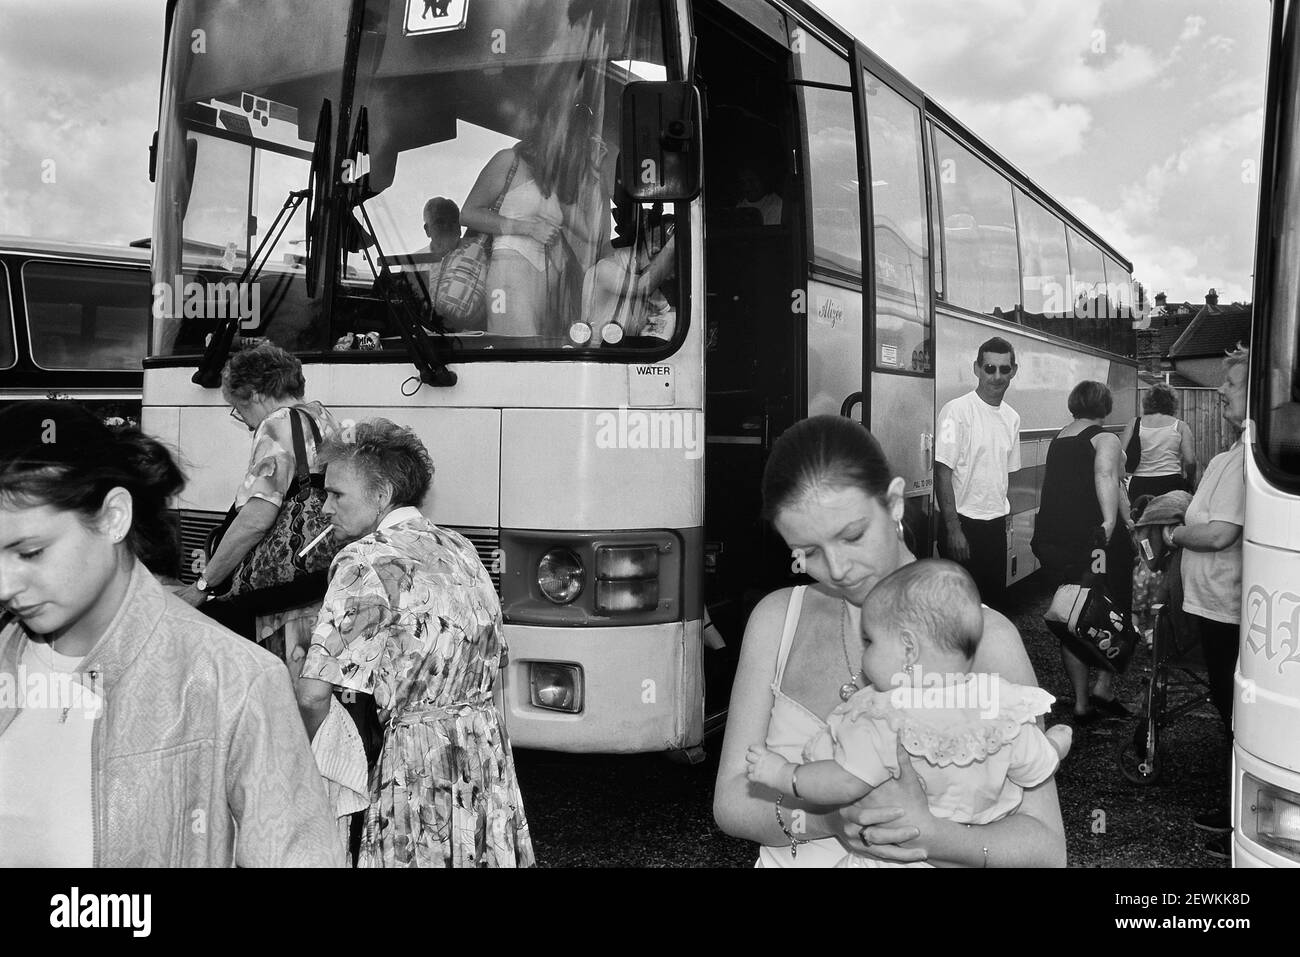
<point x="803" y="232"/>
<point x="74" y="321"/>
<point x="1266" y="715"/>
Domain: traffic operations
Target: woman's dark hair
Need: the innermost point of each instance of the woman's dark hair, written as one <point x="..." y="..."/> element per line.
<point x="555" y="149"/>
<point x="61" y="455"/>
<point x="1090" y="400"/>
<point x="825" y="450"/>
<point x="1160" y="398"/>
<point x="382" y="451"/>
<point x="267" y="369"/>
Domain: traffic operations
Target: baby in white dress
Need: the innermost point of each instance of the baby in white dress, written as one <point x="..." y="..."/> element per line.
<point x="972" y="737"/>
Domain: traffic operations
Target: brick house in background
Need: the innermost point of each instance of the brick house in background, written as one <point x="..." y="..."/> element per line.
<point x="1185" y="342"/>
<point x="1197" y="355"/>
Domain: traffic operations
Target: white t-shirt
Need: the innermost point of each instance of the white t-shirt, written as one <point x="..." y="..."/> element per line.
<point x="981" y="444"/>
<point x="1212" y="580"/>
<point x="46" y="816"/>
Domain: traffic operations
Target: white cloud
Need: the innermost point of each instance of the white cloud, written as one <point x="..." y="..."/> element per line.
<point x="1182" y="222"/>
<point x="1220" y="44"/>
<point x="1031" y="130"/>
<point x="1191" y="28"/>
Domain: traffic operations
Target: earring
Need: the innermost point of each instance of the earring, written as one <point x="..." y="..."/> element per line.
<point x="899" y="526"/>
<point x="908" y="668"/>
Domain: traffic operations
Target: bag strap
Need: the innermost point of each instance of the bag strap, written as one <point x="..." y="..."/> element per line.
<point x="300" y="467"/>
<point x="510" y="177"/>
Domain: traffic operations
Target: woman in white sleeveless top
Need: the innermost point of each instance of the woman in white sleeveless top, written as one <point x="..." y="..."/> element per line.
<point x="1168" y="453"/>
<point x="829" y="491"/>
<point x="534" y="275"/>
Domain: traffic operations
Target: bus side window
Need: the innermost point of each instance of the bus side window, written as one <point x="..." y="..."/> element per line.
<point x="8" y="355"/>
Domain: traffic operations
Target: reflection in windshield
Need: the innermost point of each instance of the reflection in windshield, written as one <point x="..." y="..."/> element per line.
<point x="519" y="137"/>
<point x="483" y="174"/>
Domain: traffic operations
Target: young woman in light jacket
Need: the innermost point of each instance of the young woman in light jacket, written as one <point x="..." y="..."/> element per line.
<point x="134" y="731"/>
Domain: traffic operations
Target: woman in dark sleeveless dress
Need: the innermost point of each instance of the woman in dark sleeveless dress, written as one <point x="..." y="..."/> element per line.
<point x="1079" y="529"/>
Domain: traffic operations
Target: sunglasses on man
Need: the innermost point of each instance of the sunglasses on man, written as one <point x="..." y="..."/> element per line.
<point x="989" y="369"/>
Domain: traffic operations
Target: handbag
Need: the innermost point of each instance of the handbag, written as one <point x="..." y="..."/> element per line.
<point x="1133" y="454"/>
<point x="1086" y="621"/>
<point x="273" y="576"/>
<point x="460" y="293"/>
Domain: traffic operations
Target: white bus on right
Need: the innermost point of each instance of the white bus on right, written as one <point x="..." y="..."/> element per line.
<point x="1266" y="749"/>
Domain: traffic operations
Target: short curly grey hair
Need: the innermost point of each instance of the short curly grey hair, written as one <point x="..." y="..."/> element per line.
<point x="267" y="369"/>
<point x="383" y="453"/>
<point x="1160" y="398"/>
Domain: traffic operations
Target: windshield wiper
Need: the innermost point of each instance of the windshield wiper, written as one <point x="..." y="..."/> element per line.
<point x="215" y="353"/>
<point x="432" y="369"/>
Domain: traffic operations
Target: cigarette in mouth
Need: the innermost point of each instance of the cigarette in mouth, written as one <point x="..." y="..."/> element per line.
<point x="315" y="541"/>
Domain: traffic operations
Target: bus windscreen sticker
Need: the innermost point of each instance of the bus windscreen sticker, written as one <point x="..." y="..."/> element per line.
<point x="434" y="16"/>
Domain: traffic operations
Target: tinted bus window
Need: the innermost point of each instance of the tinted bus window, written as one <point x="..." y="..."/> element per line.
<point x="1119" y="289"/>
<point x="7" y="355"/>
<point x="979" y="232"/>
<point x="1045" y="262"/>
<point x="815" y="61"/>
<point x="1088" y="292"/>
<point x="833" y="174"/>
<point x="900" y="231"/>
<point x="86" y="317"/>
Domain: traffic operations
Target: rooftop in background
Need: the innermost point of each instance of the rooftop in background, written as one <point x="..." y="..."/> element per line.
<point x="1214" y="331"/>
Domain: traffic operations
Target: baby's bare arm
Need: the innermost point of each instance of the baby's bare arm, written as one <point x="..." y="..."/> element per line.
<point x="825" y="782"/>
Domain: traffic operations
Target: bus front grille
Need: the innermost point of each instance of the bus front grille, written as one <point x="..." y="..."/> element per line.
<point x="195" y="527"/>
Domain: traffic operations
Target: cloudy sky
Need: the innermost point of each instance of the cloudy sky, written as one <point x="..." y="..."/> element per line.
<point x="1143" y="116"/>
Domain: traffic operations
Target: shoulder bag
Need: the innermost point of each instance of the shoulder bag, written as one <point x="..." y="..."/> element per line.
<point x="1133" y="454"/>
<point x="460" y="293"/>
<point x="272" y="576"/>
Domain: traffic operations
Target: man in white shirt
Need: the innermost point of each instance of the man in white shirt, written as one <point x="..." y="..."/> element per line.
<point x="976" y="450"/>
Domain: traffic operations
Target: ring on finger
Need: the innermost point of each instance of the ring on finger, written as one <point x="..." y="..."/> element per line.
<point x="862" y="835"/>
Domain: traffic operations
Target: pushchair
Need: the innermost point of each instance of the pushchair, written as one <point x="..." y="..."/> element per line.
<point x="1177" y="683"/>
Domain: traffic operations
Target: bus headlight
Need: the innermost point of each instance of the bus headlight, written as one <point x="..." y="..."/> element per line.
<point x="560" y="576"/>
<point x="1270" y="816"/>
<point x="627" y="578"/>
<point x="555" y="687"/>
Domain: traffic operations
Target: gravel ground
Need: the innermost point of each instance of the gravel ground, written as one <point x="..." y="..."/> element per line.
<point x="646" y="811"/>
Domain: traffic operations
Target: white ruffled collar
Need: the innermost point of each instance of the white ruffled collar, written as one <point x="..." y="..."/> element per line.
<point x="958" y="723"/>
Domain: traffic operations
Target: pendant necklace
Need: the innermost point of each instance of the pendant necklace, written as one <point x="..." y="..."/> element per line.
<point x="850" y="687"/>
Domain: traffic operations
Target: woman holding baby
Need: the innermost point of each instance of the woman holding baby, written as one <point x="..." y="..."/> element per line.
<point x="829" y="492"/>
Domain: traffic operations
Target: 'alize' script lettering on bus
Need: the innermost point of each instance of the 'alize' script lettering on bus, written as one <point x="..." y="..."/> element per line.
<point x="1261" y="605"/>
<point x="830" y="312"/>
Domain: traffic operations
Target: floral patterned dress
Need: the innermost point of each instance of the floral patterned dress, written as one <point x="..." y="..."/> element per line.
<point x="412" y="617"/>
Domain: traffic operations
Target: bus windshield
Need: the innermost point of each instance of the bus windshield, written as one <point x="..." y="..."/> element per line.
<point x="495" y="119"/>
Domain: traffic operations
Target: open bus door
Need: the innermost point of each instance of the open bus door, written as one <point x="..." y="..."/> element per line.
<point x="898" y="384"/>
<point x="753" y="358"/>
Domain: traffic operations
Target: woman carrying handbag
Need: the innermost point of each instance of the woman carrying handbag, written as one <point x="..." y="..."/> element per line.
<point x="265" y="387"/>
<point x="1078" y="535"/>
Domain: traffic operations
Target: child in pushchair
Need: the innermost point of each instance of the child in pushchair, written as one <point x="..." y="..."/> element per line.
<point x="1173" y="687"/>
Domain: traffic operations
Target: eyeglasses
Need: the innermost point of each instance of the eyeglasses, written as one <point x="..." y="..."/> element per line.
<point x="234" y="414"/>
<point x="990" y="369"/>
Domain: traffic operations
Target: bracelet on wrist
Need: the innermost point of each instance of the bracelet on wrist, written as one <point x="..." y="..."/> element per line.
<point x="794" y="841"/>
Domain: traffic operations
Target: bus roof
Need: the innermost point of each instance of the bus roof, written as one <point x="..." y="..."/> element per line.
<point x="70" y="250"/>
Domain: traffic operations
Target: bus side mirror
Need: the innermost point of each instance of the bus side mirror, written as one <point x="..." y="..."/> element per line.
<point x="660" y="160"/>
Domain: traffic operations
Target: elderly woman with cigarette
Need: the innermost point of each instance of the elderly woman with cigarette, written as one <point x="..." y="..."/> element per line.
<point x="411" y="616"/>
<point x="265" y="387"/>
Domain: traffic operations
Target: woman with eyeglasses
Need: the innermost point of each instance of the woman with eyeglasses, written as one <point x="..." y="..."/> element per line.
<point x="264" y="387"/>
